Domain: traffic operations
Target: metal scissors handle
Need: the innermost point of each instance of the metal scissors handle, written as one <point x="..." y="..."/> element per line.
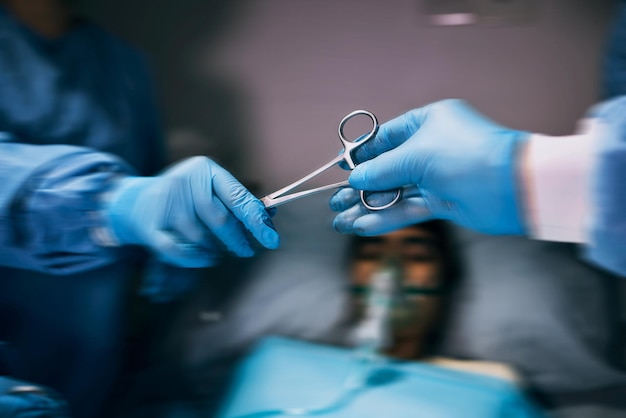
<point x="283" y="196"/>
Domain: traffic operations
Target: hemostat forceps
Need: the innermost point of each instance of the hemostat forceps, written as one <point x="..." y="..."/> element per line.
<point x="283" y="196"/>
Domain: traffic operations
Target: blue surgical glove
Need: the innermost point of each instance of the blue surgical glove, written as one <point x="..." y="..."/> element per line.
<point x="188" y="213"/>
<point x="454" y="163"/>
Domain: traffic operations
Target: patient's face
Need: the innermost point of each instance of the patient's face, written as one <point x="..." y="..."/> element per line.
<point x="417" y="253"/>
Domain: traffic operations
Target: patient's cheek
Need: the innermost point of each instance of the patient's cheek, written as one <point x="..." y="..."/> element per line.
<point x="362" y="272"/>
<point x="423" y="275"/>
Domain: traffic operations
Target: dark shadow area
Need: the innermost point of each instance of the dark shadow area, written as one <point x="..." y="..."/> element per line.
<point x="159" y="381"/>
<point x="204" y="111"/>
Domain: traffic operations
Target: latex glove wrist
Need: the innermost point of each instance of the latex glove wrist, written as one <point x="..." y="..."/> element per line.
<point x="514" y="203"/>
<point x="117" y="201"/>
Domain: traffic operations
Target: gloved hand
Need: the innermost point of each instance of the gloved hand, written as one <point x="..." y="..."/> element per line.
<point x="462" y="164"/>
<point x="181" y="213"/>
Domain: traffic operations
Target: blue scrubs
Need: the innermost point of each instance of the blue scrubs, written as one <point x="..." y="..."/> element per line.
<point x="608" y="235"/>
<point x="61" y="294"/>
<point x="607" y="247"/>
<point x="614" y="63"/>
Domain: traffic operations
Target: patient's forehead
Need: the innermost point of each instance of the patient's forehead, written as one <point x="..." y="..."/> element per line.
<point x="413" y="234"/>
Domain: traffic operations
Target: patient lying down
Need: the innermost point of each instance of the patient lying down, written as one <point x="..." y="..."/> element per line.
<point x="406" y="277"/>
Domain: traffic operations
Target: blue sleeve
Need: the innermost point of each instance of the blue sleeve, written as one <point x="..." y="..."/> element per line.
<point x="607" y="246"/>
<point x="48" y="206"/>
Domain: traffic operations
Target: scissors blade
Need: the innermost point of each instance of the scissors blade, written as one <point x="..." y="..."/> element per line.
<point x="308" y="177"/>
<point x="272" y="202"/>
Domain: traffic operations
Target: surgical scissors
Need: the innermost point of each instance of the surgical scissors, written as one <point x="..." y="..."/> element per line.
<point x="283" y="196"/>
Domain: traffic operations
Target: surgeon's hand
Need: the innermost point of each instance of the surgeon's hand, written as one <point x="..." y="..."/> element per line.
<point x="188" y="214"/>
<point x="454" y="163"/>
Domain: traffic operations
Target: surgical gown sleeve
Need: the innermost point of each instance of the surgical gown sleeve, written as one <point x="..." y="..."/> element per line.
<point x="49" y="206"/>
<point x="607" y="240"/>
<point x="575" y="189"/>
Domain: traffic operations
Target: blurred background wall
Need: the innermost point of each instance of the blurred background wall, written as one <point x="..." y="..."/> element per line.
<point x="261" y="85"/>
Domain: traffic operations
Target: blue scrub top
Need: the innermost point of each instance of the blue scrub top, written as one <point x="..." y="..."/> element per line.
<point x="92" y="93"/>
<point x="614" y="63"/>
<point x="76" y="112"/>
<point x="607" y="247"/>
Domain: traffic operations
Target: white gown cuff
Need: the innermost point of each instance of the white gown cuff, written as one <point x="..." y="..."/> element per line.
<point x="558" y="189"/>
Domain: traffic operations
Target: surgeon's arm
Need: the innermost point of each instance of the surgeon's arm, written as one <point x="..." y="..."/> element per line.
<point x="66" y="209"/>
<point x="48" y="206"/>
<point x="456" y="164"/>
<point x="574" y="186"/>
